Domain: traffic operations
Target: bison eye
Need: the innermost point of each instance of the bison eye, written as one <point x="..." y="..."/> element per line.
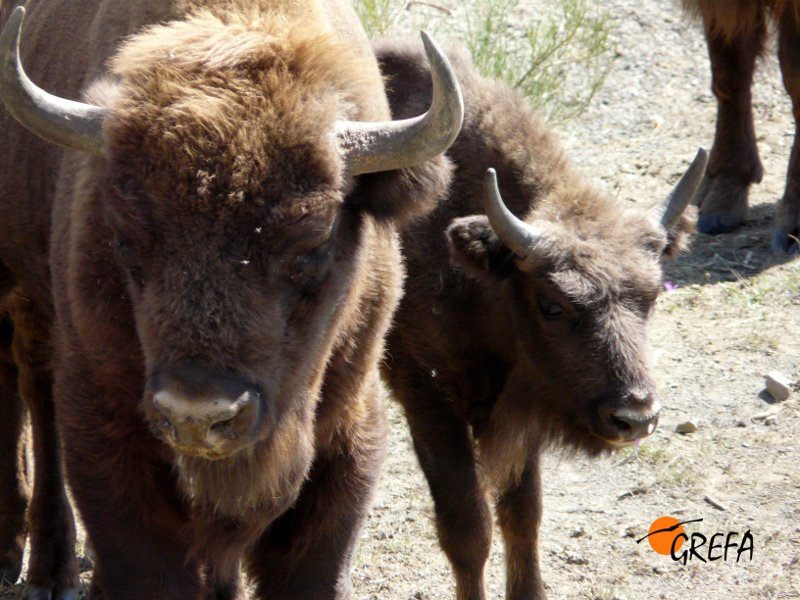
<point x="311" y="269"/>
<point x="550" y="310"/>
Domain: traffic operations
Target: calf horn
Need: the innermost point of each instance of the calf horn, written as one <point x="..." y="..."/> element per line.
<point x="64" y="122"/>
<point x="515" y="233"/>
<point x="669" y="211"/>
<point x="383" y="146"/>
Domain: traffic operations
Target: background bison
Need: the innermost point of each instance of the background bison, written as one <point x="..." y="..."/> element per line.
<point x="736" y="34"/>
<point x="516" y="334"/>
<point x="210" y="279"/>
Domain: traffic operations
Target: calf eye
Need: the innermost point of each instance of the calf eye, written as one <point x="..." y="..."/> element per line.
<point x="550" y="310"/>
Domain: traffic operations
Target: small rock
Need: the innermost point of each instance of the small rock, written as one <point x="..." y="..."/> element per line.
<point x="575" y="559"/>
<point x="715" y="503"/>
<point x="630" y="532"/>
<point x="741" y="423"/>
<point x="686" y="427"/>
<point x="778" y="386"/>
<point x="768" y="413"/>
<point x="771" y="420"/>
<point x="659" y="570"/>
<point x="579" y="532"/>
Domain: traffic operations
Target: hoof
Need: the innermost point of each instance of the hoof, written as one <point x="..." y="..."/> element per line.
<point x="39" y="593"/>
<point x="716" y="224"/>
<point x="783" y="243"/>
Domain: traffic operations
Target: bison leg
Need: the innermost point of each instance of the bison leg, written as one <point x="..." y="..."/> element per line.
<point x="126" y="491"/>
<point x="463" y="519"/>
<point x="13" y="482"/>
<point x="734" y="163"/>
<point x="308" y="551"/>
<point x="519" y="513"/>
<point x="787" y="217"/>
<point x="53" y="567"/>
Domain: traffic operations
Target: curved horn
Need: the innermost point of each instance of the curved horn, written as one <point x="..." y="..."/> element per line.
<point x="512" y="231"/>
<point x="383" y="146"/>
<point x="64" y="122"/>
<point x="669" y="211"/>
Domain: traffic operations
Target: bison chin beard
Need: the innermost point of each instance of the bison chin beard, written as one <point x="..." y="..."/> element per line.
<point x="261" y="481"/>
<point x="233" y="501"/>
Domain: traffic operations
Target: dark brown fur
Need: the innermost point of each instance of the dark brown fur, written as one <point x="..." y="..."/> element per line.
<point x="199" y="245"/>
<point x="486" y="381"/>
<point x="13" y="476"/>
<point x="736" y="32"/>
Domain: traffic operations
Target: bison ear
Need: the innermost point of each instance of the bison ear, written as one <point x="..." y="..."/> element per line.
<point x="679" y="233"/>
<point x="475" y="247"/>
<point x="404" y="194"/>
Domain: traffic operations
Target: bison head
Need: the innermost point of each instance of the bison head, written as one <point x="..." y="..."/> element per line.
<point x="245" y="209"/>
<point x="582" y="288"/>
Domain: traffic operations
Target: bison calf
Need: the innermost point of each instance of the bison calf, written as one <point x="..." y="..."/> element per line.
<point x="519" y="329"/>
<point x="736" y="33"/>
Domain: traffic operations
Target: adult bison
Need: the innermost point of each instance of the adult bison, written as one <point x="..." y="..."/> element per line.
<point x="735" y="34"/>
<point x="519" y="332"/>
<point x="209" y="270"/>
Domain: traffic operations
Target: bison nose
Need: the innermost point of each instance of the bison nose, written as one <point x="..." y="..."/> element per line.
<point x="214" y="427"/>
<point x="635" y="417"/>
<point x="631" y="425"/>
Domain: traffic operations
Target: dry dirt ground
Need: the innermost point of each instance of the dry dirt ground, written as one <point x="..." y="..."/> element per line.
<point x="733" y="317"/>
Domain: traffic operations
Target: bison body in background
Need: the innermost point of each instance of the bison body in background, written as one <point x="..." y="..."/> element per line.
<point x="518" y="332"/>
<point x="736" y="33"/>
<point x="202" y="283"/>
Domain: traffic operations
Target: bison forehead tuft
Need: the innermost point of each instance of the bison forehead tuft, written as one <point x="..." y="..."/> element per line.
<point x="618" y="263"/>
<point x="219" y="109"/>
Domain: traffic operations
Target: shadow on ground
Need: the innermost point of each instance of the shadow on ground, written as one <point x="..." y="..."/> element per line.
<point x="730" y="257"/>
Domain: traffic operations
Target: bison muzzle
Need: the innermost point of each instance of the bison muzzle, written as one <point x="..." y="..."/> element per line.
<point x="204" y="415"/>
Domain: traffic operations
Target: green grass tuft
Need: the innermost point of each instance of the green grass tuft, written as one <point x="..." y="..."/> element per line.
<point x="566" y="43"/>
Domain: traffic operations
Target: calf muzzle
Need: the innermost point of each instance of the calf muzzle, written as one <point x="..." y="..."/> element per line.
<point x="631" y="425"/>
<point x="633" y="418"/>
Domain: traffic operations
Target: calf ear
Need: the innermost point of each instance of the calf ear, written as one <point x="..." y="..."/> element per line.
<point x="679" y="233"/>
<point x="404" y="194"/>
<point x="475" y="247"/>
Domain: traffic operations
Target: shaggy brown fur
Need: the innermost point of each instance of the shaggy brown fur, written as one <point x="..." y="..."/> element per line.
<point x="218" y="241"/>
<point x="736" y="32"/>
<point x="494" y="357"/>
<point x="732" y="19"/>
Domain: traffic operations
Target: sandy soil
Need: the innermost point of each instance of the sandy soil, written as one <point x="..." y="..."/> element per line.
<point x="733" y="317"/>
